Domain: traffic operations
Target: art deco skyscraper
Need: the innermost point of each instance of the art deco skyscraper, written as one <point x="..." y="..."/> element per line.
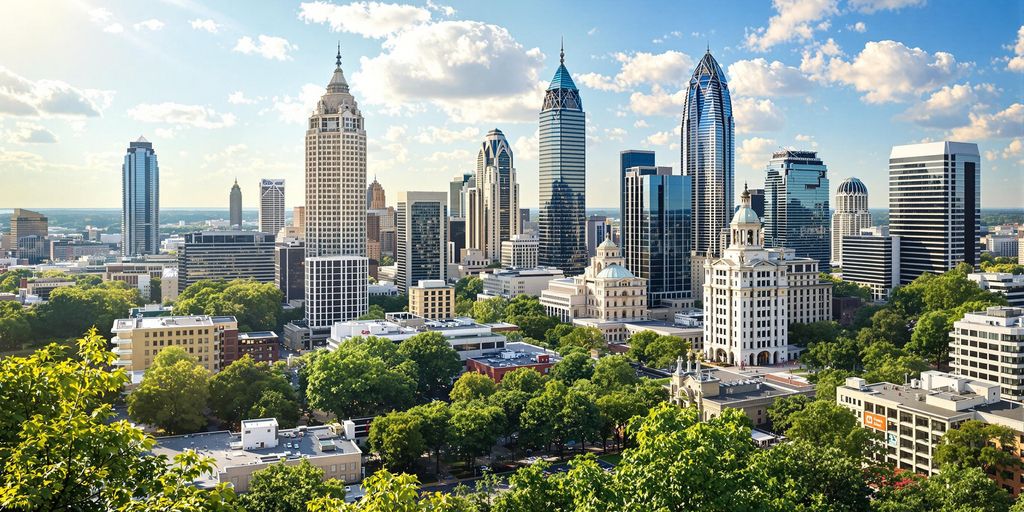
<point x="796" y="213"/>
<point x="375" y="196"/>
<point x="271" y="205"/>
<point x="850" y="217"/>
<point x="495" y="197"/>
<point x="336" y="264"/>
<point x="140" y="200"/>
<point x="235" y="213"/>
<point x="563" y="175"/>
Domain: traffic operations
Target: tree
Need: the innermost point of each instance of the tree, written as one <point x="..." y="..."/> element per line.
<point x="475" y="427"/>
<point x="375" y="312"/>
<point x="826" y="382"/>
<point x="10" y="280"/>
<point x="472" y="386"/>
<point x="490" y="310"/>
<point x="664" y="351"/>
<point x="524" y="305"/>
<point x="468" y="288"/>
<point x="638" y="344"/>
<point x="931" y="337"/>
<point x="977" y="444"/>
<point x="397" y="438"/>
<point x="15" y="328"/>
<point x="888" y="324"/>
<point x="526" y="380"/>
<point x="172" y="394"/>
<point x="573" y="367"/>
<point x="274" y="404"/>
<point x="532" y="326"/>
<point x="783" y="408"/>
<point x="436" y="361"/>
<point x="388" y="492"/>
<point x="842" y="288"/>
<point x="238" y="388"/>
<point x="155" y="291"/>
<point x="826" y="423"/>
<point x="256" y="306"/>
<point x="390" y="303"/>
<point x="73" y="309"/>
<point x="288" y="488"/>
<point x="956" y="487"/>
<point x="434" y="419"/>
<point x="361" y="378"/>
<point x="841" y="354"/>
<point x="613" y="372"/>
<point x="803" y="476"/>
<point x="61" y="449"/>
<point x="553" y="336"/>
<point x="815" y="332"/>
<point x="586" y="338"/>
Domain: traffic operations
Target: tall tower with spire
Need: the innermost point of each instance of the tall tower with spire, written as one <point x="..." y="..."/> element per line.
<point x="563" y="175"/>
<point x="494" y="197"/>
<point x="707" y="153"/>
<point x="336" y="263"/>
<point x="235" y="212"/>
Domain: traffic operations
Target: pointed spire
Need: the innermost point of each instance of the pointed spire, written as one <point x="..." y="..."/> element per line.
<point x="561" y="53"/>
<point x="337" y="59"/>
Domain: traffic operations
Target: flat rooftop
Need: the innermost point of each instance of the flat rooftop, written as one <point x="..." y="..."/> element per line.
<point x="522" y="354"/>
<point x="160" y="322"/>
<point x="257" y="335"/>
<point x="907" y="398"/>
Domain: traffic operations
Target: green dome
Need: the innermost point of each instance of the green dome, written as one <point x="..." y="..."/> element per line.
<point x="616" y="271"/>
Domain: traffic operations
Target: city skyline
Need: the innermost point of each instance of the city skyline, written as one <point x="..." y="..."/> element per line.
<point x="800" y="79"/>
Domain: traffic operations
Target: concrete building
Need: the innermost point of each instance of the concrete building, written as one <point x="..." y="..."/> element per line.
<point x="605" y="291"/>
<point x="335" y="290"/>
<point x="226" y="255"/>
<point x="261" y="346"/>
<point x="596" y="231"/>
<point x="989" y="345"/>
<point x="140" y="200"/>
<point x="796" y="214"/>
<point x="169" y="284"/>
<point x="514" y="356"/>
<point x="28" y="235"/>
<point x="752" y="294"/>
<point x="42" y="286"/>
<point x="271" y="205"/>
<point x="375" y="198"/>
<point x="290" y="269"/>
<point x="493" y="208"/>
<point x="619" y="331"/>
<point x="874" y="260"/>
<point x="137" y="341"/>
<point x="432" y="300"/>
<point x="237" y="455"/>
<point x="510" y="283"/>
<point x="70" y="249"/>
<point x="466" y="336"/>
<point x="851" y="215"/>
<point x="1006" y="284"/>
<point x="520" y="251"/>
<point x="422" y="238"/>
<point x="935" y="206"/>
<point x="235" y="210"/>
<point x="1004" y="245"/>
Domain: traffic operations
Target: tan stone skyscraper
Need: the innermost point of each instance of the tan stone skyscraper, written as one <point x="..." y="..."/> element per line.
<point x="375" y="196"/>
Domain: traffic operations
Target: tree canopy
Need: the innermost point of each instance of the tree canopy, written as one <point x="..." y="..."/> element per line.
<point x="173" y="393"/>
<point x="256" y="306"/>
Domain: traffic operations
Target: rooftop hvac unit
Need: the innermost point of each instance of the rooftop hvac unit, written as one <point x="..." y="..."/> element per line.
<point x="508" y="354"/>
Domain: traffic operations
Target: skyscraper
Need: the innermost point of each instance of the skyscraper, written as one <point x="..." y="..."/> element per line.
<point x="336" y="264"/>
<point x="627" y="159"/>
<point x="235" y="214"/>
<point x="496" y="200"/>
<point x="140" y="200"/>
<point x="757" y="201"/>
<point x="422" y="238"/>
<point x="796" y="214"/>
<point x="563" y="175"/>
<point x="271" y="205"/>
<point x="225" y="255"/>
<point x="935" y="206"/>
<point x="28" y="235"/>
<point x="456" y="194"/>
<point x="851" y="215"/>
<point x="656" y="231"/>
<point x="375" y="196"/>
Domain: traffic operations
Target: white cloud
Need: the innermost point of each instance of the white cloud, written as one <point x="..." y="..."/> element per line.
<point x="177" y="114"/>
<point x="658" y="102"/>
<point x="889" y="71"/>
<point x="755" y="151"/>
<point x="860" y="27"/>
<point x="949" y="106"/>
<point x="368" y="19"/>
<point x="640" y="123"/>
<point x="642" y="68"/>
<point x="870" y="6"/>
<point x="443" y="135"/>
<point x="296" y="109"/>
<point x="815" y="59"/>
<point x="100" y="15"/>
<point x="1016" y="63"/>
<point x="659" y="138"/>
<point x="1002" y="124"/>
<point x="1015" y="148"/>
<point x="592" y="31"/>
<point x="795" y="19"/>
<point x="30" y="133"/>
<point x="473" y="71"/>
<point x="239" y="98"/>
<point x="807" y="139"/>
<point x="758" y="77"/>
<point x="615" y="134"/>
<point x="152" y="24"/>
<point x="460" y="157"/>
<point x="208" y="25"/>
<point x="756" y="115"/>
<point x="446" y="10"/>
<point x="114" y="28"/>
<point x="527" y="148"/>
<point x="269" y="47"/>
<point x="598" y="81"/>
<point x="395" y="133"/>
<point x="20" y="96"/>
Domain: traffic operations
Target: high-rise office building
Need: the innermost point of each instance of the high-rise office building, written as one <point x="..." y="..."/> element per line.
<point x="873" y="260"/>
<point x="935" y="206"/>
<point x="456" y="238"/>
<point x="225" y="255"/>
<point x="757" y="201"/>
<point x="375" y="195"/>
<point x="235" y="210"/>
<point x="28" y="235"/>
<point x="299" y="221"/>
<point x="271" y="205"/>
<point x="627" y="159"/>
<point x="563" y="175"/>
<point x="140" y="200"/>
<point x="336" y="263"/>
<point x="974" y="352"/>
<point x="851" y="215"/>
<point x="422" y="238"/>
<point x="494" y="197"/>
<point x="456" y="194"/>
<point x="656" y="231"/>
<point x="596" y="231"/>
<point x="796" y="214"/>
<point x="290" y="269"/>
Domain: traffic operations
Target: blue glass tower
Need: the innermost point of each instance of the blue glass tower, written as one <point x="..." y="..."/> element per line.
<point x="563" y="179"/>
<point x="627" y="159"/>
<point x="796" y="214"/>
<point x="140" y="200"/>
<point x="707" y="154"/>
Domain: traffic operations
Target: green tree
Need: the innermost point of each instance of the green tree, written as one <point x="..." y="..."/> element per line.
<point x="238" y="388"/>
<point x="828" y="424"/>
<point x="74" y="309"/>
<point x="397" y="437"/>
<point x="388" y="492"/>
<point x="15" y="327"/>
<point x="472" y="386"/>
<point x="553" y="336"/>
<point x="826" y="382"/>
<point x="613" y="372"/>
<point x="532" y="326"/>
<point x="390" y="303"/>
<point x="172" y="394"/>
<point x="664" y="351"/>
<point x="361" y="378"/>
<point x="573" y="367"/>
<point x="586" y="338"/>
<point x="638" y="344"/>
<point x="434" y="420"/>
<point x="842" y="288"/>
<point x="955" y="488"/>
<point x="841" y="354"/>
<point x="803" y="476"/>
<point x="490" y="310"/>
<point x="526" y="380"/>
<point x="256" y="306"/>
<point x="805" y="334"/>
<point x="931" y="337"/>
<point x="475" y="428"/>
<point x="531" y="488"/>
<point x="10" y="280"/>
<point x="288" y="488"/>
<point x="437" y="363"/>
<point x="468" y="288"/>
<point x="977" y="444"/>
<point x="524" y="305"/>
<point x="783" y="408"/>
<point x="274" y="404"/>
<point x="890" y="325"/>
<point x="375" y="312"/>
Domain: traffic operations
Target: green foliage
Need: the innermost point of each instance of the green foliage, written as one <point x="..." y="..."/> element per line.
<point x="977" y="444"/>
<point x="15" y="325"/>
<point x="173" y="393"/>
<point x="553" y="336"/>
<point x="828" y="424"/>
<point x="955" y="488"/>
<point x="842" y="288"/>
<point x="573" y="367"/>
<point x="612" y="373"/>
<point x="532" y="326"/>
<point x="390" y="303"/>
<point x="388" y="492"/>
<point x="826" y="382"/>
<point x="364" y="377"/>
<point x="841" y="354"/>
<point x="468" y="288"/>
<point x="375" y="312"/>
<point x="288" y="488"/>
<point x="475" y="426"/>
<point x="805" y="334"/>
<point x="397" y="437"/>
<point x="256" y="306"/>
<point x="437" y="363"/>
<point x="74" y="309"/>
<point x="931" y="336"/>
<point x="804" y="476"/>
<point x="560" y="414"/>
<point x="586" y="338"/>
<point x="783" y="408"/>
<point x="657" y="351"/>
<point x="472" y="386"/>
<point x="434" y="419"/>
<point x="11" y="279"/>
<point x="489" y="311"/>
<point x="245" y="388"/>
<point x="526" y="380"/>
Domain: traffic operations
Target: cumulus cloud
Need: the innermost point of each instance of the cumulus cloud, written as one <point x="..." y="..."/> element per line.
<point x="755" y="151"/>
<point x="208" y="25"/>
<point x="368" y="19"/>
<point x="814" y="61"/>
<point x="860" y="27"/>
<point x="151" y="24"/>
<point x="807" y="139"/>
<point x="179" y="115"/>
<point x="30" y="133"/>
<point x="527" y="148"/>
<point x="758" y="77"/>
<point x="1005" y="123"/>
<point x="794" y="19"/>
<point x="756" y="115"/>
<point x="444" y="135"/>
<point x="658" y="102"/>
<point x="1016" y="63"/>
<point x="239" y="98"/>
<point x="20" y="96"/>
<point x="268" y="47"/>
<point x="659" y="138"/>
<point x="870" y="6"/>
<point x="460" y="156"/>
<point x="669" y="68"/>
<point x="105" y="19"/>
<point x="296" y="109"/>
<point x="949" y="106"/>
<point x="395" y="132"/>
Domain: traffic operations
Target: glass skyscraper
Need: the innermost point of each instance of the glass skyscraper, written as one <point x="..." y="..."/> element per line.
<point x="562" y="218"/>
<point x="495" y="197"/>
<point x="656" y="231"/>
<point x="627" y="159"/>
<point x="707" y="146"/>
<point x="796" y="213"/>
<point x="140" y="200"/>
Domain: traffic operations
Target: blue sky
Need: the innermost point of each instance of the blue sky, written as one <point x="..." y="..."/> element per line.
<point x="222" y="88"/>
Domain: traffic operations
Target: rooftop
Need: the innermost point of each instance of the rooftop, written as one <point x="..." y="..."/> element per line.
<point x="161" y="322"/>
<point x="257" y="335"/>
<point x="516" y="354"/>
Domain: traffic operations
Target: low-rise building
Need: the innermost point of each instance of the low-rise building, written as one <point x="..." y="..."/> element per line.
<point x="510" y="283"/>
<point x="43" y="286"/>
<point x="432" y="299"/>
<point x="70" y="249"/>
<point x="384" y="289"/>
<point x="1006" y="284"/>
<point x="471" y="262"/>
<point x="620" y="331"/>
<point x="606" y="291"/>
<point x="520" y="252"/>
<point x="169" y="285"/>
<point x="137" y="341"/>
<point x="261" y="346"/>
<point x="237" y="455"/>
<point x="467" y="337"/>
<point x="989" y="345"/>
<point x="495" y="364"/>
<point x="1002" y="244"/>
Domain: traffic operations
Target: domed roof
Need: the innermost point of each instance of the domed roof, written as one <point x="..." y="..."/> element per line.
<point x="852" y="186"/>
<point x="607" y="244"/>
<point x="746" y="215"/>
<point x="616" y="271"/>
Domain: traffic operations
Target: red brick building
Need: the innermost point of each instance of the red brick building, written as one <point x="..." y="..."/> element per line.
<point x="515" y="355"/>
<point x="261" y="346"/>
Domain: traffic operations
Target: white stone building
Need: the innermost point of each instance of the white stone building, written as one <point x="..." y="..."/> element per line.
<point x="987" y="345"/>
<point x="605" y="291"/>
<point x="520" y="251"/>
